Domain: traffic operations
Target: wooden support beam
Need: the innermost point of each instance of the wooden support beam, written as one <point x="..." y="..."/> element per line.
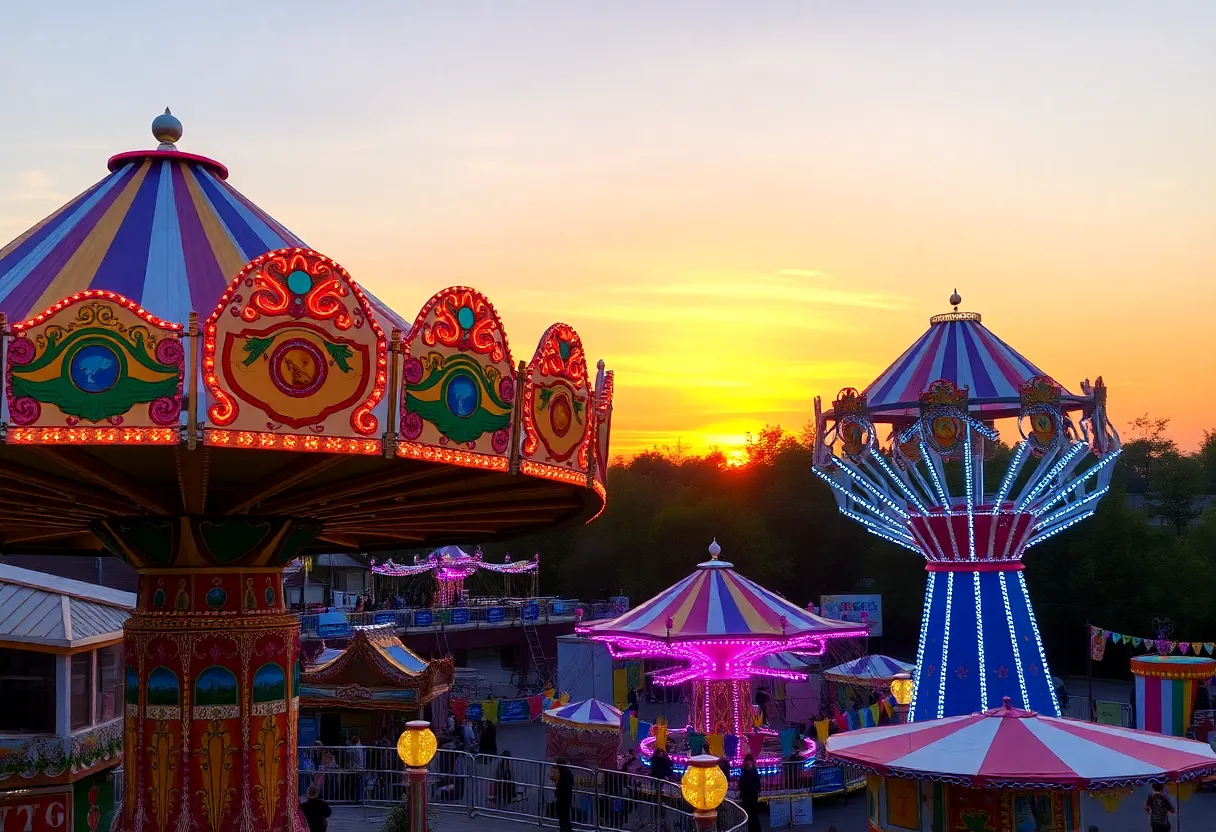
<point x="193" y="475"/>
<point x="68" y="489"/>
<point x="289" y="476"/>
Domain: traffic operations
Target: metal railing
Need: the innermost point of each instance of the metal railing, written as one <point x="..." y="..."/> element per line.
<point x="509" y="613"/>
<point x="509" y="788"/>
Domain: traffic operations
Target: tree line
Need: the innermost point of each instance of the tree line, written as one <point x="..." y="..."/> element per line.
<point x="1149" y="552"/>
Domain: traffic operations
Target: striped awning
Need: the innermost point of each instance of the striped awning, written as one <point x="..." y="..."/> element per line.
<point x="718" y="601"/>
<point x="589" y="713"/>
<point x="164" y="229"/>
<point x="868" y="670"/>
<point x="957" y="348"/>
<point x="1011" y="748"/>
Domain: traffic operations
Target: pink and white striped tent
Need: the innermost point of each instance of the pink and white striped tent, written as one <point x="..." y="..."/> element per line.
<point x="1011" y="748"/>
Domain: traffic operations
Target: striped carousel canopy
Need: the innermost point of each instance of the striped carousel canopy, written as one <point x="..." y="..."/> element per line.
<point x="717" y="601"/>
<point x="957" y="348"/>
<point x="1007" y="747"/>
<point x="164" y="229"/>
<point x="589" y="713"/>
<point x="868" y="670"/>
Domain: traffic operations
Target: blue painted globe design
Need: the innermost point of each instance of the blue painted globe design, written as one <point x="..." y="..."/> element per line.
<point x="94" y="368"/>
<point x="299" y="282"/>
<point x="462" y="396"/>
<point x="216" y="597"/>
<point x="466" y="318"/>
<point x="158" y="598"/>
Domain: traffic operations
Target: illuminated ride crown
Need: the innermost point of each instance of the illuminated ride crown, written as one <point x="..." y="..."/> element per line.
<point x="300" y="416"/>
<point x="721" y="627"/>
<point x="452" y="565"/>
<point x="928" y="492"/>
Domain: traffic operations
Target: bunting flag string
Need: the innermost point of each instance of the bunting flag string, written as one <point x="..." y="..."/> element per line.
<point x="1098" y="638"/>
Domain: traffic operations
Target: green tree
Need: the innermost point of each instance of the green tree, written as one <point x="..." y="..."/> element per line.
<point x="1175" y="485"/>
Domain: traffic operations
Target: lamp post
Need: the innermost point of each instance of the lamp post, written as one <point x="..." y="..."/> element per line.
<point x="704" y="787"/>
<point x="416" y="746"/>
<point x="901" y="689"/>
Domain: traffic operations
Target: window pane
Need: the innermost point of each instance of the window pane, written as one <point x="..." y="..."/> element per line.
<point x="27" y="691"/>
<point x="82" y="690"/>
<point x="109" y="682"/>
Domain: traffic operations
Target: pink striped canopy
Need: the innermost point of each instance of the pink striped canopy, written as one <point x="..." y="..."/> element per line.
<point x="717" y="601"/>
<point x="1011" y="748"/>
<point x="958" y="348"/>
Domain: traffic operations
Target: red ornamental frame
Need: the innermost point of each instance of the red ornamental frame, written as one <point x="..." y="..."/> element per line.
<point x="548" y="363"/>
<point x="487" y="338"/>
<point x="269" y="297"/>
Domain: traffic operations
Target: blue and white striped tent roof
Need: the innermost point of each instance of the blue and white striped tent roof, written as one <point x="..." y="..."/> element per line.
<point x="589" y="713"/>
<point x="868" y="670"/>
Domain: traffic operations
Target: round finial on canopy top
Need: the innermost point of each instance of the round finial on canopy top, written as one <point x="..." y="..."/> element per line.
<point x="167" y="129"/>
<point x="715" y="549"/>
<point x="599" y="365"/>
<point x="956" y="299"/>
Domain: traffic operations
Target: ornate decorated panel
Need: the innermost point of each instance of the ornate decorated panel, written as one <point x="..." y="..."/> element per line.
<point x="558" y="421"/>
<point x="458" y="396"/>
<point x="293" y="359"/>
<point x="95" y="368"/>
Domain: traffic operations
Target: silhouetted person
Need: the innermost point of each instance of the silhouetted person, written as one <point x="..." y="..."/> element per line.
<point x="488" y="744"/>
<point x="762" y="704"/>
<point x="749" y="793"/>
<point x="315" y="811"/>
<point x="564" y="794"/>
<point x="660" y="764"/>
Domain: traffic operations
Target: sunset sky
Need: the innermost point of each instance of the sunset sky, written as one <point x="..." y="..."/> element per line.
<point x="738" y="205"/>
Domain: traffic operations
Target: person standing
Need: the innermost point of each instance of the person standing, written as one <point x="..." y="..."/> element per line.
<point x="467" y="737"/>
<point x="749" y="793"/>
<point x="489" y="738"/>
<point x="633" y="701"/>
<point x="762" y="704"/>
<point x="316" y="811"/>
<point x="660" y="764"/>
<point x="358" y="763"/>
<point x="564" y="794"/>
<point x="1159" y="809"/>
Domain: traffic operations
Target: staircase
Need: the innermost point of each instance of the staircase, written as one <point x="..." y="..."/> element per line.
<point x="538" y="675"/>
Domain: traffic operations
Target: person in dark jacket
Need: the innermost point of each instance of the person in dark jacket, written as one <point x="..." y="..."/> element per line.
<point x="564" y="794"/>
<point x="315" y="811"/>
<point x="749" y="793"/>
<point x="488" y="744"/>
<point x="660" y="764"/>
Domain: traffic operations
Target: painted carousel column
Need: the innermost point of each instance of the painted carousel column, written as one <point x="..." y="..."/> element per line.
<point x="211" y="676"/>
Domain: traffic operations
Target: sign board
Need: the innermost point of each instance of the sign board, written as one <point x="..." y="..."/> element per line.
<point x="778" y="814"/>
<point x="531" y="612"/>
<point x="333" y="624"/>
<point x="861" y="609"/>
<point x="827" y="780"/>
<point x="802" y="812"/>
<point x="308" y="730"/>
<point x="494" y="614"/>
<point x="1108" y="713"/>
<point x="385" y="617"/>
<point x="514" y="710"/>
<point x="474" y="711"/>
<point x="424" y="618"/>
<point x="460" y="616"/>
<point x="28" y="811"/>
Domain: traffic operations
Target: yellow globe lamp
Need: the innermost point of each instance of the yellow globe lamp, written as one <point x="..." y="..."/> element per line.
<point x="417" y="744"/>
<point x="901" y="688"/>
<point x="704" y="787"/>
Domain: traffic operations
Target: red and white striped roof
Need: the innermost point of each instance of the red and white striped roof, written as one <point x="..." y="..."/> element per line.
<point x="1011" y="748"/>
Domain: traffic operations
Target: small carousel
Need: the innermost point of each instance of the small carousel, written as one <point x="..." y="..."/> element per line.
<point x="369" y="688"/>
<point x="720" y="627"/>
<point x="1009" y="770"/>
<point x="587" y="733"/>
<point x="451" y="566"/>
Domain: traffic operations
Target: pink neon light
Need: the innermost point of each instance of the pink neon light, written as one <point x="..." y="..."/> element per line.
<point x="717" y="658"/>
